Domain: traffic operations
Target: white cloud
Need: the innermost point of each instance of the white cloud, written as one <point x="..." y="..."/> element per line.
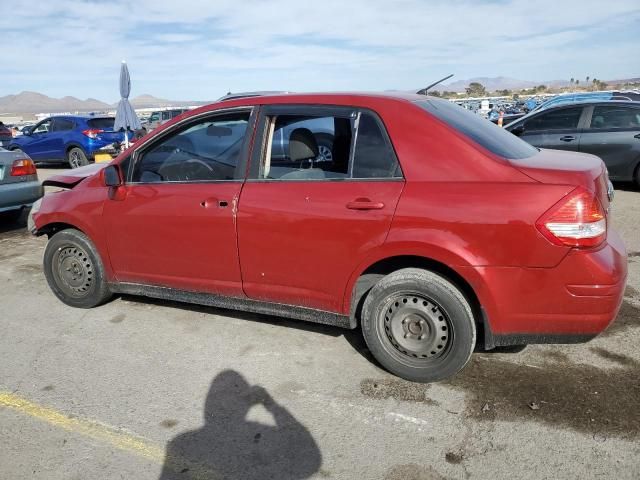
<point x="200" y="49"/>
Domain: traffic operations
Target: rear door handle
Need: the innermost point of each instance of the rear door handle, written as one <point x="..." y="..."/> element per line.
<point x="364" y="204"/>
<point x="568" y="138"/>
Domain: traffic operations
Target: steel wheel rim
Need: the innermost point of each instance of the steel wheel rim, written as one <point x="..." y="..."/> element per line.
<point x="415" y="327"/>
<point x="74" y="271"/>
<point x="325" y="154"/>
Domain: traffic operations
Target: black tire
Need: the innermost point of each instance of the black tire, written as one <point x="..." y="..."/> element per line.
<point x="418" y="325"/>
<point x="74" y="270"/>
<point x="77" y="158"/>
<point x="636" y="177"/>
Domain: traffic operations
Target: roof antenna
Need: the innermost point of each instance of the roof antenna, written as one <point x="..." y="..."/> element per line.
<point x="426" y="89"/>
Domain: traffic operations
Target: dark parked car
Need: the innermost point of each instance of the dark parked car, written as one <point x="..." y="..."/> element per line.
<point x="162" y="116"/>
<point x="610" y="130"/>
<point x="6" y="135"/>
<point x="74" y="139"/>
<point x="430" y="227"/>
<point x="19" y="185"/>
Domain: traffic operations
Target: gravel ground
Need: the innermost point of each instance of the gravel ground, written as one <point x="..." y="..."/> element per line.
<point x="146" y="389"/>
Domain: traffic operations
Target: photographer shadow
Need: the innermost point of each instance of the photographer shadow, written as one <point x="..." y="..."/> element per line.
<point x="228" y="446"/>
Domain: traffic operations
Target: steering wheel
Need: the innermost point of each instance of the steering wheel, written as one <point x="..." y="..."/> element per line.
<point x="195" y="169"/>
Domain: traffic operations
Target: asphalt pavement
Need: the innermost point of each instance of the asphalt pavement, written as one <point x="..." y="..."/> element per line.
<point x="146" y="389"/>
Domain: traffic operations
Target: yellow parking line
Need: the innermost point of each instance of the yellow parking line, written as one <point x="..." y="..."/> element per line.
<point x="99" y="431"/>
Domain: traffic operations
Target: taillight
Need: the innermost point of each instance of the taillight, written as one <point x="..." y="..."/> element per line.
<point x="21" y="167"/>
<point x="92" y="132"/>
<point x="578" y="220"/>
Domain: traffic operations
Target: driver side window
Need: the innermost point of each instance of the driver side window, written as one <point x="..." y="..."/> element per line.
<point x="43" y="127"/>
<point x="203" y="151"/>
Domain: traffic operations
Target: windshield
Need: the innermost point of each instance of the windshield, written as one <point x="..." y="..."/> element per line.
<point x="482" y="131"/>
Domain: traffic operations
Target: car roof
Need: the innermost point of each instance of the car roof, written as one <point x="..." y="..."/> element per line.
<point x="321" y="98"/>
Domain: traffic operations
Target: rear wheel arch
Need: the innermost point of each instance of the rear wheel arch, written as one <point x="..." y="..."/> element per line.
<point x="370" y="275"/>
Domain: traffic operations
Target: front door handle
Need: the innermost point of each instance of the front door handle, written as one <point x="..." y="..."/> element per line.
<point x="568" y="138"/>
<point x="364" y="204"/>
<point x="213" y="202"/>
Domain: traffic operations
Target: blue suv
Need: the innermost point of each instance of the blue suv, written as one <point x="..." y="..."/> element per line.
<point x="74" y="139"/>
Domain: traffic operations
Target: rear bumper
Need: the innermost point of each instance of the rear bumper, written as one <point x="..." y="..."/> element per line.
<point x="572" y="302"/>
<point x="21" y="194"/>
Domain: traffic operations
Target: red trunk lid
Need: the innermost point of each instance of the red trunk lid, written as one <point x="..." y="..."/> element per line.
<point x="560" y="167"/>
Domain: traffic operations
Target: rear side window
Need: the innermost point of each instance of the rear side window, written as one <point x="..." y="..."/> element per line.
<point x="62" y="125"/>
<point x="563" y="119"/>
<point x="373" y="156"/>
<point x="615" y="117"/>
<point x="101" y="123"/>
<point x="342" y="147"/>
<point x="482" y="131"/>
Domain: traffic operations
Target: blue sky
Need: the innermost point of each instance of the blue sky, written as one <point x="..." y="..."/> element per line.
<point x="200" y="49"/>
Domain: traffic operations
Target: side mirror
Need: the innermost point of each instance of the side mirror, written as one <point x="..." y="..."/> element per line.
<point x="112" y="176"/>
<point x="518" y="130"/>
<point x="27" y="131"/>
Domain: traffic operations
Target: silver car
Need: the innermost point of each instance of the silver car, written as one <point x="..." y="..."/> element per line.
<point x="19" y="184"/>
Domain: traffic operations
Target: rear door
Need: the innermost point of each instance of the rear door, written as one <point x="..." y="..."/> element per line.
<point x="304" y="222"/>
<point x="558" y="129"/>
<point x="60" y="128"/>
<point x="613" y="134"/>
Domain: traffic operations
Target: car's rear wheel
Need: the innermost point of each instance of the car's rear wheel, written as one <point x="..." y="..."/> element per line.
<point x="418" y="325"/>
<point x="77" y="158"/>
<point x="74" y="270"/>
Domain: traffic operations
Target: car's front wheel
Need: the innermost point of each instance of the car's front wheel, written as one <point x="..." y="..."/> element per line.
<point x="77" y="158"/>
<point x="74" y="270"/>
<point x="418" y="325"/>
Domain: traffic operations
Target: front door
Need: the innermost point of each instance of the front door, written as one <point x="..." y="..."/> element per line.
<point x="37" y="145"/>
<point x="305" y="221"/>
<point x="174" y="224"/>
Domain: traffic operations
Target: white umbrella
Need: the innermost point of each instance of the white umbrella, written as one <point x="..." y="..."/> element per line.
<point x="126" y="118"/>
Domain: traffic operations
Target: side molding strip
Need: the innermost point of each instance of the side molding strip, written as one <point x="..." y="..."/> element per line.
<point x="234" y="303"/>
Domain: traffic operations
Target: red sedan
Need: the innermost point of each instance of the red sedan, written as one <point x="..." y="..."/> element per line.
<point x="428" y="226"/>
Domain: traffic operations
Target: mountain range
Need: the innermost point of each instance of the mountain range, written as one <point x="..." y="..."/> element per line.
<point x="33" y="102"/>
<point x="498" y="83"/>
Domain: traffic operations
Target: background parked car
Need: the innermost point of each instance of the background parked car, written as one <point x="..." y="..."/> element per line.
<point x="19" y="185"/>
<point x="5" y="135"/>
<point x="162" y="116"/>
<point x="586" y="97"/>
<point x="610" y="130"/>
<point x="74" y="139"/>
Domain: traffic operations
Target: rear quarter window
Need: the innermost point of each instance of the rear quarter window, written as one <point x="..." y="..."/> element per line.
<point x="481" y="131"/>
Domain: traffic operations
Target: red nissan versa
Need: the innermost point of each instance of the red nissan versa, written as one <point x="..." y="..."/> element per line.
<point x="427" y="225"/>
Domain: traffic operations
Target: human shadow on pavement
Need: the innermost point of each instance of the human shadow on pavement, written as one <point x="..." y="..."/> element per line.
<point x="228" y="446"/>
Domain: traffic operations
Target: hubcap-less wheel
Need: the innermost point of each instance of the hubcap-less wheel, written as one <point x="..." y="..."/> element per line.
<point x="74" y="270"/>
<point x="415" y="326"/>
